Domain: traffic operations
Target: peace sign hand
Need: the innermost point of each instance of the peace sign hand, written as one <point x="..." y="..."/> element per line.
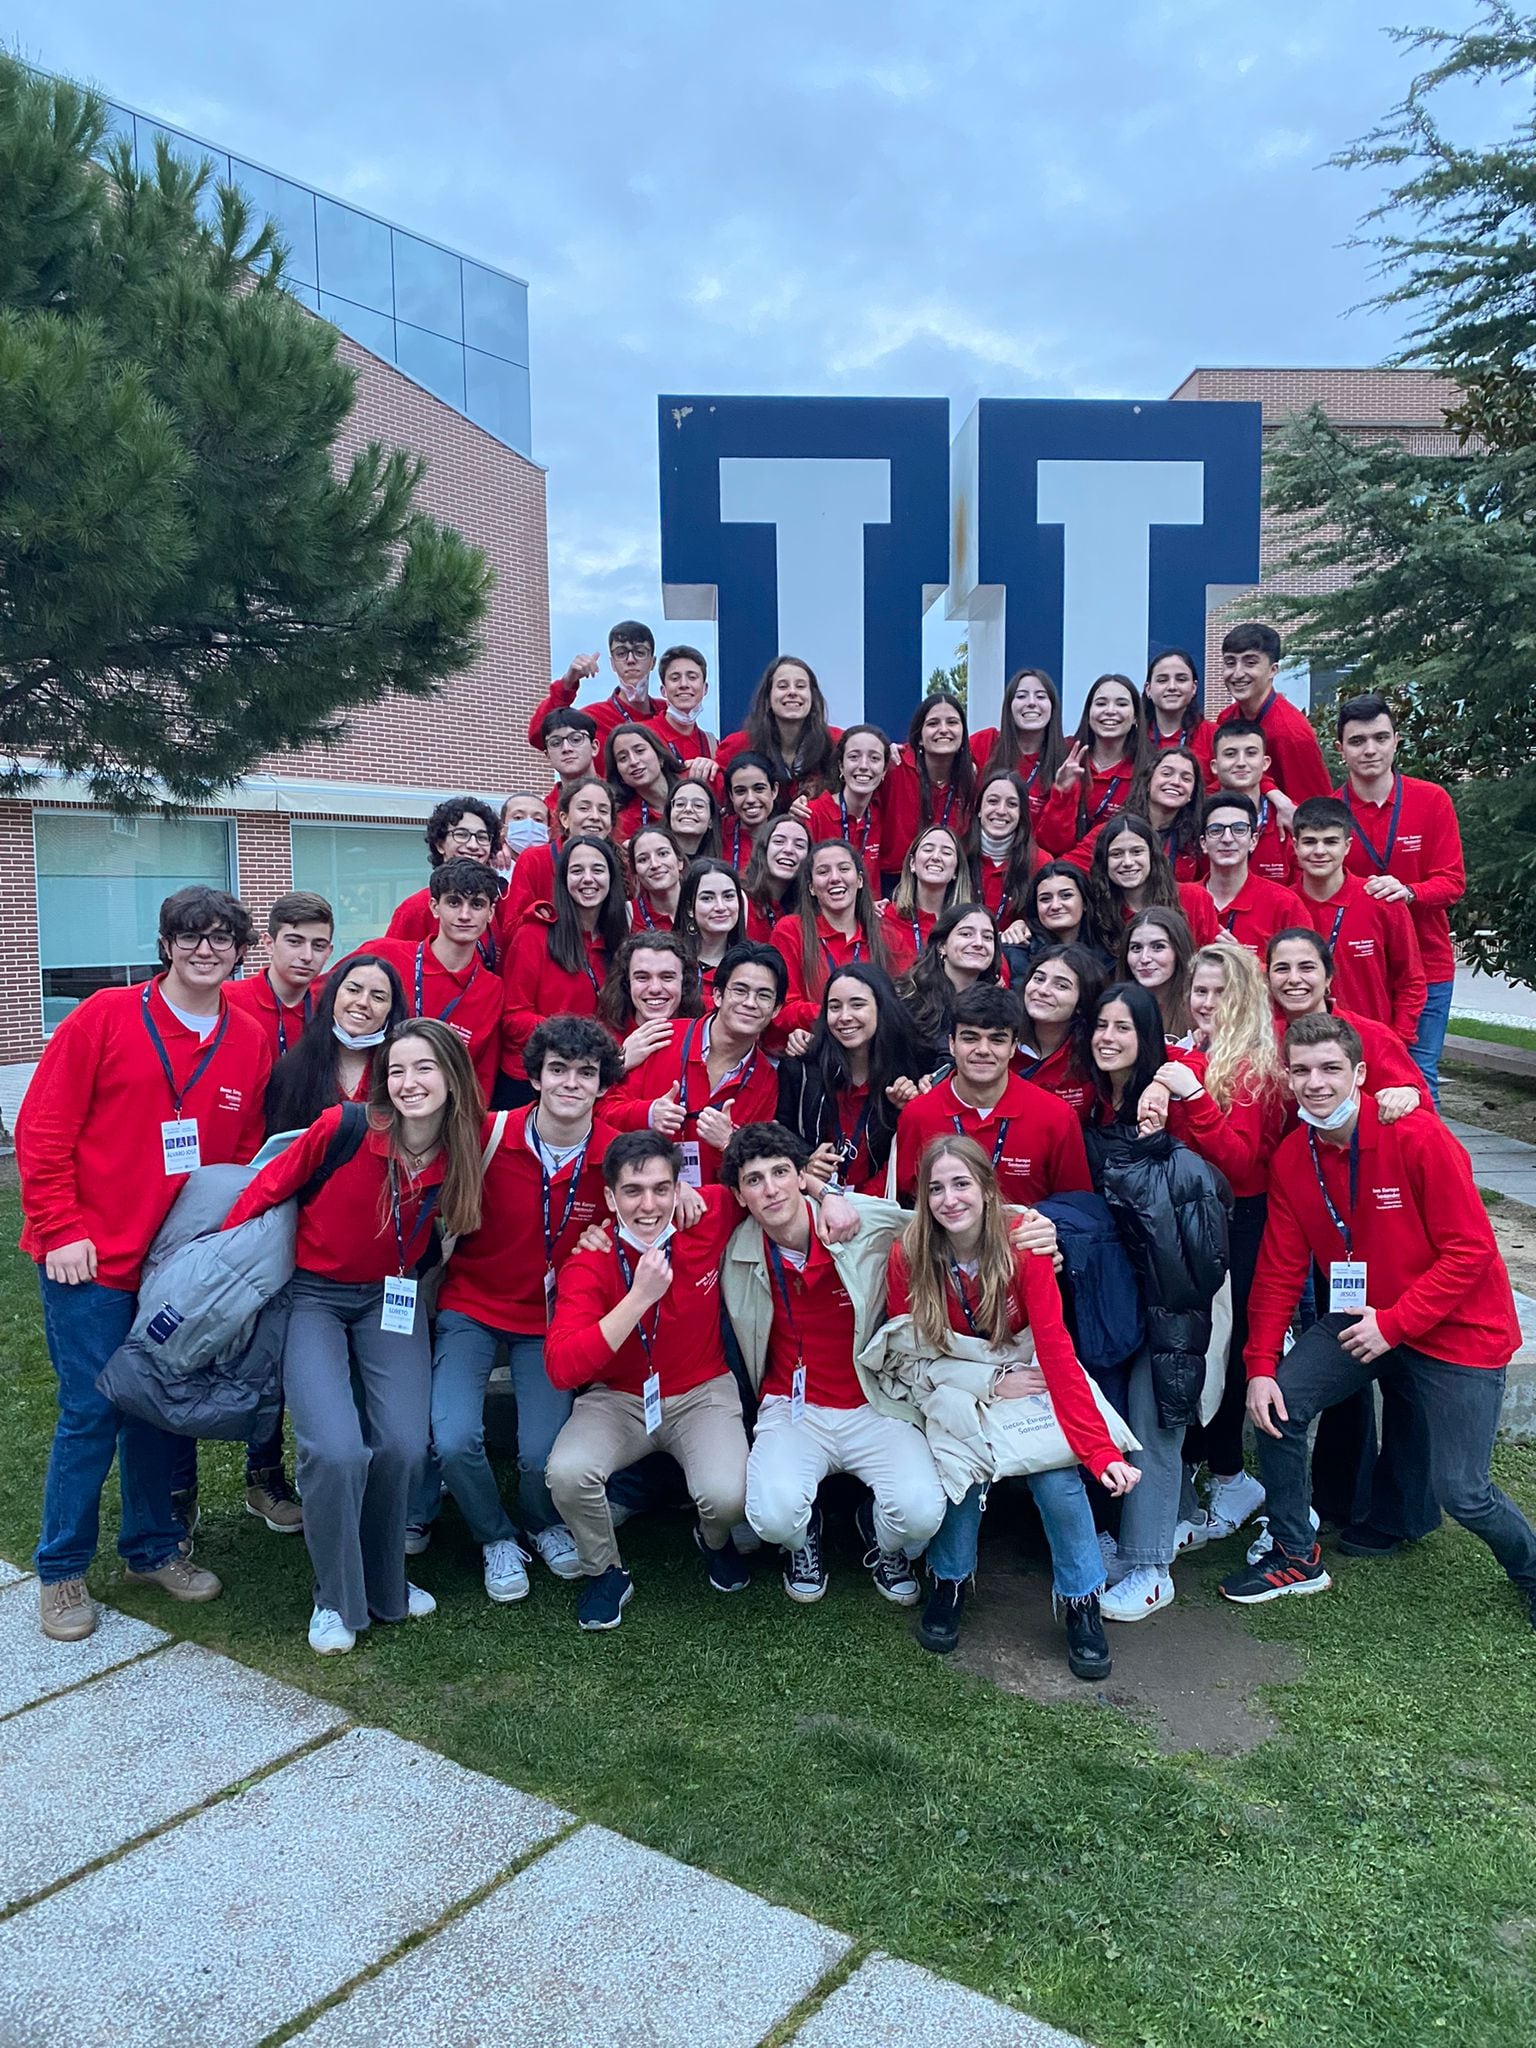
<point x="1072" y="772"/>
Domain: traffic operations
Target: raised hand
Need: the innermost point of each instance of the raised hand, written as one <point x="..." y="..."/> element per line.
<point x="667" y="1112"/>
<point x="1073" y="769"/>
<point x="583" y="668"/>
<point x="645" y="1039"/>
<point x="653" y="1276"/>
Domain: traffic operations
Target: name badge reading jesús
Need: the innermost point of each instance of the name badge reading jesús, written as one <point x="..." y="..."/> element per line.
<point x="1346" y="1287"/>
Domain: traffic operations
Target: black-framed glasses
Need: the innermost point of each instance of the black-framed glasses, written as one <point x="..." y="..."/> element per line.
<point x="1240" y="831"/>
<point x="631" y="650"/>
<point x="460" y="837"/>
<point x="191" y="942"/>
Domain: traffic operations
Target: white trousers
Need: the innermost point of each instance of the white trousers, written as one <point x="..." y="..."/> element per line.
<point x="789" y="1460"/>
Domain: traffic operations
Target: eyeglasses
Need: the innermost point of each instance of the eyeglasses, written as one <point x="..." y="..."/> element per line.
<point x="630" y="650"/>
<point x="569" y="736"/>
<point x="459" y="837"/>
<point x="191" y="942"/>
<point x="1227" y="831"/>
<point x="759" y="998"/>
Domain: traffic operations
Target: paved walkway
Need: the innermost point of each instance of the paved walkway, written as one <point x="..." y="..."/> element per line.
<point x="246" y="1861"/>
<point x="1506" y="1165"/>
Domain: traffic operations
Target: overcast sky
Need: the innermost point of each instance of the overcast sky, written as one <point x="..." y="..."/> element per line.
<point x="1011" y="200"/>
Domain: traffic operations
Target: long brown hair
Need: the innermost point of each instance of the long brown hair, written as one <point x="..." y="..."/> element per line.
<point x="812" y="767"/>
<point x="926" y="1245"/>
<point x="1020" y="864"/>
<point x="1006" y="750"/>
<point x="756" y="881"/>
<point x="1172" y="998"/>
<point x="865" y="917"/>
<point x="458" y="1206"/>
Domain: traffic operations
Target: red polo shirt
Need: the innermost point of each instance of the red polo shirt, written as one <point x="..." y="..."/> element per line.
<point x="907" y="813"/>
<point x="874" y="837"/>
<point x="1295" y="758"/>
<point x="1387" y="1064"/>
<point x="1068" y="815"/>
<point x="468" y="1001"/>
<point x="1058" y="1073"/>
<point x="1377" y="970"/>
<point x="816" y="1329"/>
<point x="1424" y="850"/>
<point x="1034" y="1140"/>
<point x="1434" y="1274"/>
<point x="695" y="745"/>
<point x="802" y="1006"/>
<point x="413" y="919"/>
<point x="752" y="1096"/>
<point x="1274" y="852"/>
<point x="282" y="1024"/>
<point x="607" y="713"/>
<point x="734" y="743"/>
<point x="537" y="986"/>
<point x="907" y="930"/>
<point x="983" y="746"/>
<point x="1258" y="911"/>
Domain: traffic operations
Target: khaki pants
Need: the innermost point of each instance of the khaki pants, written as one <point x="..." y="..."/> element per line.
<point x="702" y="1429"/>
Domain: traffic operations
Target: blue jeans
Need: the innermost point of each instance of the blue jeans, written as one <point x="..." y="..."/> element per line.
<point x="83" y="1326"/>
<point x="1426" y="1049"/>
<point x="1077" y="1567"/>
<point x="462" y="1358"/>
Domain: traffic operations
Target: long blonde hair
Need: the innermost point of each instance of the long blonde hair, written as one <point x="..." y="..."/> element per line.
<point x="459" y="1205"/>
<point x="1242" y="1056"/>
<point x="926" y="1244"/>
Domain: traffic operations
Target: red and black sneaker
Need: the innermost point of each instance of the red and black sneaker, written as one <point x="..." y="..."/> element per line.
<point x="1276" y="1574"/>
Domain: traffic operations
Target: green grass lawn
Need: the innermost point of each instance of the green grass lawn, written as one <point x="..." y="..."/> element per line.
<point x="1499" y="1034"/>
<point x="1364" y="1880"/>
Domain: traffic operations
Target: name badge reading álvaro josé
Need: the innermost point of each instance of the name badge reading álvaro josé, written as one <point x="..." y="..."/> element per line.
<point x="1346" y="1287"/>
<point x="179" y="1146"/>
<point x="399" y="1312"/>
<point x="651" y="1395"/>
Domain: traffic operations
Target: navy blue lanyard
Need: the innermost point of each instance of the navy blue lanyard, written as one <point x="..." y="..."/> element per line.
<point x="553" y="1237"/>
<point x="949" y="802"/>
<point x="179" y="1095"/>
<point x="645" y="916"/>
<point x="833" y="963"/>
<point x="966" y="1310"/>
<point x="1345" y="1233"/>
<point x="1381" y="861"/>
<point x="443" y="1015"/>
<point x="1002" y="1136"/>
<point x="306" y="1005"/>
<point x="647" y="1336"/>
<point x="734" y="855"/>
<point x="1338" y="919"/>
<point x="1034" y="774"/>
<point x="776" y="1259"/>
<point x="1116" y="777"/>
<point x="404" y="1245"/>
<point x="848" y="1149"/>
<point x="865" y="821"/>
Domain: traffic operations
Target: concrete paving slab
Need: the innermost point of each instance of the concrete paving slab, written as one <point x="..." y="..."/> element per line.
<point x="597" y="1944"/>
<point x="1503" y="1164"/>
<point x="896" y="2003"/>
<point x="159" y="1739"/>
<point x="32" y="1668"/>
<point x="10" y="1574"/>
<point x="225" y="1928"/>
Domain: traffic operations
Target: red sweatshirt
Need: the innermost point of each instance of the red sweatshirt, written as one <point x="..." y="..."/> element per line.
<point x="1028" y="770"/>
<point x="496" y="1273"/>
<point x="906" y="931"/>
<point x="347" y="1232"/>
<point x="1387" y="1064"/>
<point x="761" y="923"/>
<point x="533" y="881"/>
<point x="734" y="743"/>
<point x="1034" y="1304"/>
<point x="697" y="745"/>
<point x="736" y="842"/>
<point x="1068" y="815"/>
<point x="802" y="1006"/>
<point x="413" y="918"/>
<point x="752" y="1096"/>
<point x="1257" y="912"/>
<point x="1295" y="758"/>
<point x="1188" y="865"/>
<point x="1376" y="966"/>
<point x="88" y="1144"/>
<point x="1199" y="913"/>
<point x="1434" y="1274"/>
<point x="282" y="1025"/>
<point x="684" y="1330"/>
<point x="816" y="1331"/>
<point x="1199" y="740"/>
<point x="469" y="1002"/>
<point x="607" y="713"/>
<point x="874" y="836"/>
<point x="646" y="916"/>
<point x="1057" y="1072"/>
<point x="538" y="987"/>
<point x="1232" y="1142"/>
<point x="1033" y="1138"/>
<point x="1274" y="852"/>
<point x="1424" y="851"/>
<point x="907" y="814"/>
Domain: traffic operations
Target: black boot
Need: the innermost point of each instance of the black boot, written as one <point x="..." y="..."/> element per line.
<point x="939" y="1629"/>
<point x="1087" y="1651"/>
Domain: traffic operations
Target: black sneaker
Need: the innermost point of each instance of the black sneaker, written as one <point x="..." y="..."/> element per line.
<point x="939" y="1629"/>
<point x="727" y="1567"/>
<point x="805" y="1576"/>
<point x="891" y="1570"/>
<point x="604" y="1598"/>
<point x="1364" y="1539"/>
<point x="1087" y="1651"/>
<point x="1275" y="1575"/>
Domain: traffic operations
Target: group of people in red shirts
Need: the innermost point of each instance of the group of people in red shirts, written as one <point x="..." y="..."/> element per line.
<point x="799" y="1053"/>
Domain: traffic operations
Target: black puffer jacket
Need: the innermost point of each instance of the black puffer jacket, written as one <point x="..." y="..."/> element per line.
<point x="1171" y="1209"/>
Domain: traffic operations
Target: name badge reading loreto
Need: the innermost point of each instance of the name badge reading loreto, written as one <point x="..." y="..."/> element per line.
<point x="1346" y="1287"/>
<point x="651" y="1395"/>
<point x="179" y="1144"/>
<point x="398" y="1315"/>
<point x="693" y="1171"/>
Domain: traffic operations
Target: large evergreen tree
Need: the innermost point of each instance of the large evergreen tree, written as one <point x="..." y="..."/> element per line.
<point x="1438" y="604"/>
<point x="188" y="578"/>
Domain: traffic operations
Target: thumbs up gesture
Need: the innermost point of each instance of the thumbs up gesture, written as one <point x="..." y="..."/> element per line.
<point x="667" y="1112"/>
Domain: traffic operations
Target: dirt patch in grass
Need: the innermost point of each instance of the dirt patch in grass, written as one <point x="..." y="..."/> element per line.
<point x="1470" y="1096"/>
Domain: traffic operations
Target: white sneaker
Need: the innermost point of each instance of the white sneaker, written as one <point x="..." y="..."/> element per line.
<point x="557" y="1546"/>
<point x="418" y="1603"/>
<point x="506" y="1573"/>
<point x="1139" y="1593"/>
<point x="417" y="1537"/>
<point x="1193" y="1534"/>
<point x="1264" y="1543"/>
<point x="329" y="1635"/>
<point x="1230" y="1503"/>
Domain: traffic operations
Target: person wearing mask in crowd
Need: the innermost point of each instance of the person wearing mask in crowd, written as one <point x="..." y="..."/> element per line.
<point x="684" y="675"/>
<point x="711" y="1075"/>
<point x="1299" y="968"/>
<point x="773" y="877"/>
<point x="136" y="1088"/>
<point x="962" y="953"/>
<point x="935" y="875"/>
<point x="636" y="1337"/>
<point x="301" y="931"/>
<point x="1063" y="986"/>
<point x="641" y="776"/>
<point x="568" y="740"/>
<point x="650" y="981"/>
<point x="1130" y="873"/>
<point x="357" y="1356"/>
<point x="447" y="976"/>
<point x="1033" y="1139"/>
<point x="586" y="807"/>
<point x="1417" y="1291"/>
<point x="1250" y="662"/>
<point x="861" y="1067"/>
<point x="1240" y="767"/>
<point x="934" y="781"/>
<point x="1170" y="700"/>
<point x="632" y="657"/>
<point x="859" y="810"/>
<point x="711" y="915"/>
<point x="692" y="816"/>
<point x="750" y="798"/>
<point x="1029" y="739"/>
<point x="1248" y="908"/>
<point x="1375" y="948"/>
<point x="786" y="726"/>
<point x="460" y="828"/>
<point x="1406" y="849"/>
<point x="956" y="1272"/>
<point x="542" y="1185"/>
<point x="1059" y="911"/>
<point x="1094" y="779"/>
<point x="561" y="953"/>
<point x="525" y="823"/>
<point x="837" y="926"/>
<point x="1157" y="953"/>
<point x="1003" y="855"/>
<point x="656" y="863"/>
<point x="802" y="1308"/>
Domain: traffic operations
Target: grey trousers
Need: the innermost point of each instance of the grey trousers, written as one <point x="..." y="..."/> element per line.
<point x="360" y="1400"/>
<point x="1148" y="1515"/>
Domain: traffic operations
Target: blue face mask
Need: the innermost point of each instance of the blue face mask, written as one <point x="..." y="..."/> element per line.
<point x="359" y="1044"/>
<point x="522" y="833"/>
<point x="1336" y="1118"/>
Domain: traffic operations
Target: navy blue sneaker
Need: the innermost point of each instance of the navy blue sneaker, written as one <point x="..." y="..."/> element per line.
<point x="727" y="1568"/>
<point x="604" y="1598"/>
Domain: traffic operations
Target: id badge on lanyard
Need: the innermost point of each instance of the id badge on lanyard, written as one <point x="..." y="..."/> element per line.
<point x="650" y="1395"/>
<point x="180" y="1148"/>
<point x="797" y="1394"/>
<point x="398" y="1315"/>
<point x="549" y="1295"/>
<point x="693" y="1170"/>
<point x="1346" y="1287"/>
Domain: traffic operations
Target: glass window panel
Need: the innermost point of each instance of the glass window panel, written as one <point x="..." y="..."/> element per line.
<point x="436" y="363"/>
<point x="119" y="128"/>
<point x="495" y="313"/>
<point x="184" y="146"/>
<point x="363" y="871"/>
<point x="427" y="286"/>
<point x="354" y="256"/>
<point x="373" y="330"/>
<point x="305" y="294"/>
<point x="496" y="398"/>
<point x="292" y="207"/>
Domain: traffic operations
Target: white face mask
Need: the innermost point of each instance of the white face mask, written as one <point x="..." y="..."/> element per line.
<point x="1336" y="1118"/>
<point x="522" y="833"/>
<point x="362" y="1042"/>
<point x="635" y="1244"/>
